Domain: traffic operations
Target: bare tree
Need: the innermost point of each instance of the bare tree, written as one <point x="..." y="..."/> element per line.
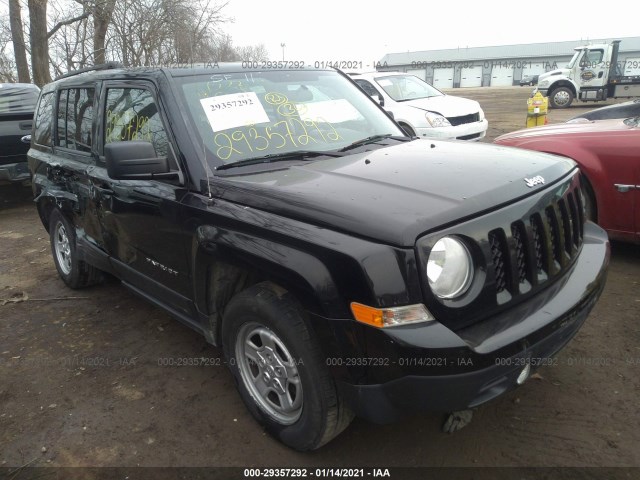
<point x="102" y="15"/>
<point x="66" y="35"/>
<point x="17" y="36"/>
<point x="39" y="36"/>
<point x="38" y="41"/>
<point x="158" y="32"/>
<point x="7" y="65"/>
<point x="253" y="52"/>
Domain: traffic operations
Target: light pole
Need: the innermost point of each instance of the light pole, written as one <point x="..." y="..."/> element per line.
<point x="283" y="45"/>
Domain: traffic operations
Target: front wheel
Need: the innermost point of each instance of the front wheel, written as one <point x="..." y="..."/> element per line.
<point x="279" y="369"/>
<point x="561" y="97"/>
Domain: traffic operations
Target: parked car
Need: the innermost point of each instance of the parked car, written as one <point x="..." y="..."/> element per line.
<point x="421" y="109"/>
<point x="620" y="110"/>
<point x="343" y="267"/>
<point x="607" y="153"/>
<point x="529" y="80"/>
<point x="17" y="104"/>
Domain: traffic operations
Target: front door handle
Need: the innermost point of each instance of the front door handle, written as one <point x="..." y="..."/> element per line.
<point x="625" y="188"/>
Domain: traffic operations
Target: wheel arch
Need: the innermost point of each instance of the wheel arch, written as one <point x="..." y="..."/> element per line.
<point x="404" y="123"/>
<point x="225" y="262"/>
<point x="563" y="83"/>
<point x="48" y="200"/>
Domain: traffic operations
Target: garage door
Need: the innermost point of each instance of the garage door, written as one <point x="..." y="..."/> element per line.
<point x="421" y="73"/>
<point x="502" y="76"/>
<point x="443" y="78"/>
<point x="471" y="76"/>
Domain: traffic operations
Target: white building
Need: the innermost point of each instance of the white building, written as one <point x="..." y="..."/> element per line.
<point x="493" y="66"/>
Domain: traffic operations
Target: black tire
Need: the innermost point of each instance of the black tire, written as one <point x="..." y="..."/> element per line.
<point x="73" y="271"/>
<point x="408" y="130"/>
<point x="561" y="97"/>
<point x="265" y="315"/>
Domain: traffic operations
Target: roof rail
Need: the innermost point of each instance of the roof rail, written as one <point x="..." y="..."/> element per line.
<point x="102" y="66"/>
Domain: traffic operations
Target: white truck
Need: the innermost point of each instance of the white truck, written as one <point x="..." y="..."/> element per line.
<point x="596" y="72"/>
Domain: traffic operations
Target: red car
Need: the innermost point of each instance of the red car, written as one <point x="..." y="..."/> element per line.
<point x="608" y="153"/>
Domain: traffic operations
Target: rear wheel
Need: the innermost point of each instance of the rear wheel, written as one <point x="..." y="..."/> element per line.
<point x="73" y="271"/>
<point x="279" y="369"/>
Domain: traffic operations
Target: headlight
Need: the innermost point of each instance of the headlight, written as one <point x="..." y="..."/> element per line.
<point x="449" y="268"/>
<point x="543" y="83"/>
<point x="436" y="120"/>
<point x="481" y="112"/>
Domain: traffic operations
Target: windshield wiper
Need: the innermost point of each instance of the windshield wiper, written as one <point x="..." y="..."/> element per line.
<point x="278" y="157"/>
<point x="373" y="139"/>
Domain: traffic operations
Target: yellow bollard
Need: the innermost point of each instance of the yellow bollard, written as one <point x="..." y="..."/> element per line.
<point x="537" y="107"/>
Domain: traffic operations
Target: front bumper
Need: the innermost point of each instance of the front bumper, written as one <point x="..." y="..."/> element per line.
<point x="468" y="131"/>
<point x="14" y="172"/>
<point x="428" y="367"/>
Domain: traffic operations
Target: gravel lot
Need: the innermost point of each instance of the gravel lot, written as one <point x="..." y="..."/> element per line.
<point x="83" y="380"/>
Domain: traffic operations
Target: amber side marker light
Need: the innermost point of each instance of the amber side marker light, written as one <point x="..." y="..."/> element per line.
<point x="390" y="317"/>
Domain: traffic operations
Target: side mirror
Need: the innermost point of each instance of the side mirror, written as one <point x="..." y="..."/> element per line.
<point x="378" y="98"/>
<point x="26" y="139"/>
<point x="135" y="160"/>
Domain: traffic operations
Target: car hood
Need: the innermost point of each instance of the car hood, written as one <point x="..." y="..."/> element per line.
<point x="554" y="73"/>
<point x="445" y="105"/>
<point x="397" y="193"/>
<point x="588" y="128"/>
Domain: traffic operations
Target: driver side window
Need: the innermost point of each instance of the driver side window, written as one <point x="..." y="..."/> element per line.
<point x="132" y="114"/>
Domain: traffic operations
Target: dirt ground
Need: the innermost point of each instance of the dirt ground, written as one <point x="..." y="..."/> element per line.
<point x="84" y="381"/>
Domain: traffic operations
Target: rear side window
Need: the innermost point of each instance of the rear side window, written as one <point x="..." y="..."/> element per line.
<point x="75" y="118"/>
<point x="132" y="114"/>
<point x="43" y="118"/>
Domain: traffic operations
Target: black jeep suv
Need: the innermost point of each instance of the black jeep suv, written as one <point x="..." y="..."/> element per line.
<point x="343" y="267"/>
<point x="17" y="104"/>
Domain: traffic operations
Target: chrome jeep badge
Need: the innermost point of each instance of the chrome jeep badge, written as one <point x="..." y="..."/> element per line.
<point x="532" y="182"/>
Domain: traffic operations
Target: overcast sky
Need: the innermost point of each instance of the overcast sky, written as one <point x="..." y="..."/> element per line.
<point x="326" y="30"/>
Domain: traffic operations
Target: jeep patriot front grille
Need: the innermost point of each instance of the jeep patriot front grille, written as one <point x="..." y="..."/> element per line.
<point x="537" y="248"/>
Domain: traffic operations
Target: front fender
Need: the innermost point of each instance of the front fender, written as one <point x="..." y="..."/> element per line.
<point x="292" y="268"/>
<point x="564" y="82"/>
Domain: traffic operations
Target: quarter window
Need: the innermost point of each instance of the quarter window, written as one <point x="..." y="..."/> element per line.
<point x="132" y="114"/>
<point x="43" y="118"/>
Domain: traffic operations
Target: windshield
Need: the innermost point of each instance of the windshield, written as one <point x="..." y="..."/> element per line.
<point x="252" y="115"/>
<point x="407" y="87"/>
<point x="573" y="60"/>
